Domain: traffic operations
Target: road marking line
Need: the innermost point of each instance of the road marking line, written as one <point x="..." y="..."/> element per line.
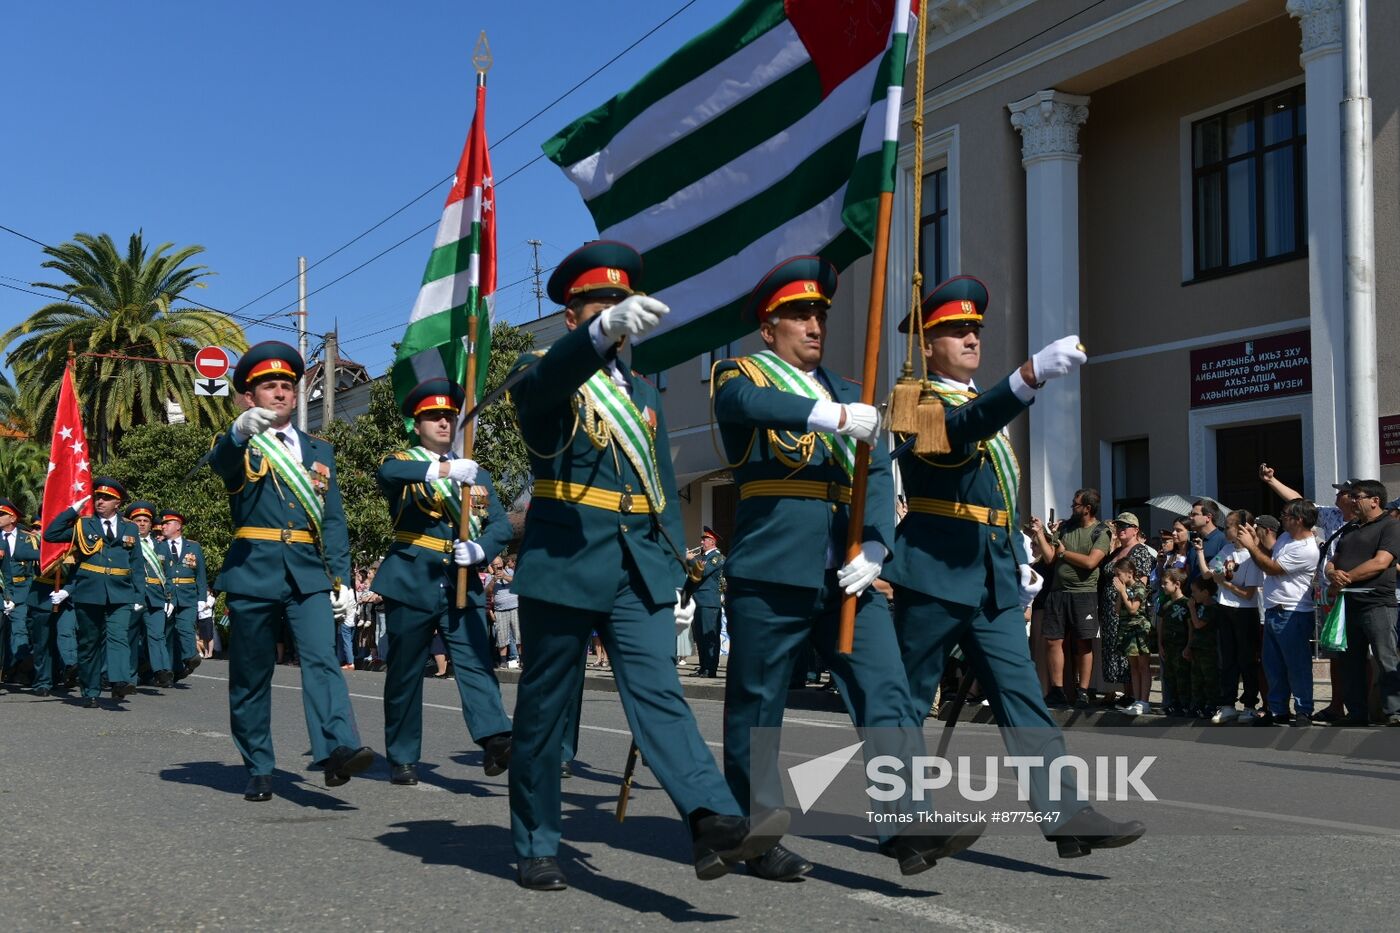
<point x="932" y="913"/>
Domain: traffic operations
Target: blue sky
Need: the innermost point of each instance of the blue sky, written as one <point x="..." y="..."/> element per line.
<point x="264" y="131"/>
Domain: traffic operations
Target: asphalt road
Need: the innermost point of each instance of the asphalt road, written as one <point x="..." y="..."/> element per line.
<point x="135" y="820"/>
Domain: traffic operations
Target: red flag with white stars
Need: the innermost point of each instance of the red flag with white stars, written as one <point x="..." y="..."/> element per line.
<point x="70" y="476"/>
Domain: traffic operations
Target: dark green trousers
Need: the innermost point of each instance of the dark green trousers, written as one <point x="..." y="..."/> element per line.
<point x="181" y="637"/>
<point x="994" y="643"/>
<point x="157" y="634"/>
<point x="254" y="625"/>
<point x="469" y="645"/>
<point x="706" y="631"/>
<point x="103" y="625"/>
<point x="641" y="640"/>
<point x="768" y="627"/>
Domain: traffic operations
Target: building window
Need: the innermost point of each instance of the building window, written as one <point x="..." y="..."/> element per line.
<point x="933" y="229"/>
<point x="1131" y="481"/>
<point x="1249" y="185"/>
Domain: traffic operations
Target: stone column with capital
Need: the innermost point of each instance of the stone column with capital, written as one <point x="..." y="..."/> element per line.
<point x="1049" y="123"/>
<point x="1320" y="22"/>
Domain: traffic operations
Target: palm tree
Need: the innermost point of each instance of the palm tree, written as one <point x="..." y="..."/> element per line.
<point x="25" y="466"/>
<point x="12" y="420"/>
<point x="124" y="305"/>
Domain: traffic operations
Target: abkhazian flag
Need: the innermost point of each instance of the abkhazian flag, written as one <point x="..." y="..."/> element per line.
<point x="769" y="136"/>
<point x="460" y="281"/>
<point x="70" y="474"/>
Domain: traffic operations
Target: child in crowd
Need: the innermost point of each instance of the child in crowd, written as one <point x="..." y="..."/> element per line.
<point x="1135" y="633"/>
<point x="1204" y="649"/>
<point x="1173" y="637"/>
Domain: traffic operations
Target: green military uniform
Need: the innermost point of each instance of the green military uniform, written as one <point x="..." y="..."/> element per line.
<point x="1205" y="662"/>
<point x="957" y="554"/>
<point x="189" y="585"/>
<point x="789" y="538"/>
<point x="1176" y="670"/>
<point x="19" y="561"/>
<point x="149" y="623"/>
<point x="708" y="604"/>
<point x="1135" y="629"/>
<point x="418" y="581"/>
<point x="103" y="590"/>
<point x="598" y="553"/>
<point x="283" y="562"/>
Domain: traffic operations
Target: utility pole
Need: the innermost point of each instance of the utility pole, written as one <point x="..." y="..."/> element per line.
<point x="1359" y="275"/>
<point x="329" y="379"/>
<point x="537" y="271"/>
<point x="300" y="315"/>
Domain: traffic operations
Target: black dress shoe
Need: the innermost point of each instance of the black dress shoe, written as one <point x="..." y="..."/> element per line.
<point x="1088" y="830"/>
<point x="121" y="690"/>
<point x="345" y="762"/>
<point x="565" y="771"/>
<point x="70" y="676"/>
<point x="920" y="853"/>
<point x="542" y="874"/>
<point x="405" y="775"/>
<point x="165" y="679"/>
<point x="90" y="703"/>
<point x="191" y="664"/>
<point x="779" y="864"/>
<point x="259" y="788"/>
<point x="497" y="754"/>
<point x="42" y="691"/>
<point x="723" y="841"/>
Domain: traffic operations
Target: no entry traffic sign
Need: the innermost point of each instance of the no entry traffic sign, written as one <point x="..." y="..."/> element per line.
<point x="211" y="362"/>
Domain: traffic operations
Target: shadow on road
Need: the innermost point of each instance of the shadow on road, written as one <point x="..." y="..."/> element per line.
<point x="231" y="779"/>
<point x="839" y="876"/>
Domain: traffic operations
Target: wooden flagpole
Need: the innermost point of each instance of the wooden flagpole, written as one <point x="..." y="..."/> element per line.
<point x="874" y="330"/>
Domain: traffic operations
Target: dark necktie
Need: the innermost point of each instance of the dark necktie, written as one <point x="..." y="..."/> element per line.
<point x="286" y="441"/>
<point x="109" y="534"/>
<point x="174" y="551"/>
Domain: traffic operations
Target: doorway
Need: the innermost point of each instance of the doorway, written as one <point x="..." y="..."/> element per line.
<point x="1240" y="450"/>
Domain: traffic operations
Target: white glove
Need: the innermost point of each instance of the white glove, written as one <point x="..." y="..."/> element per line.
<point x="169" y="609"/>
<point x="634" y="316"/>
<point x="253" y="422"/>
<point x="862" y="423"/>
<point x="58" y="596"/>
<point x="462" y="471"/>
<point x="1058" y="359"/>
<point x="78" y="504"/>
<point x="342" y="602"/>
<point x="1030" y="583"/>
<point x="466" y="553"/>
<point x="861" y="570"/>
<point x="685" y="614"/>
<point x="138" y="606"/>
<point x="9" y="606"/>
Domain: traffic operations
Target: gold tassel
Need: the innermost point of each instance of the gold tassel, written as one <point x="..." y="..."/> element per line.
<point x="932" y="429"/>
<point x="904" y="402"/>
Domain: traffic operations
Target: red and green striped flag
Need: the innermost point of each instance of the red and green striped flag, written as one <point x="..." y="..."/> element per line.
<point x="460" y="281"/>
<point x="769" y="136"/>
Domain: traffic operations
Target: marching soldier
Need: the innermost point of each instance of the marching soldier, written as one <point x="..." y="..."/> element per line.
<point x="424" y="487"/>
<point x="103" y="587"/>
<point x="52" y="626"/>
<point x="710" y="565"/>
<point x="19" y="557"/>
<point x="290" y="558"/>
<point x="151" y="619"/>
<point x="600" y="553"/>
<point x="959" y="558"/>
<point x="184" y="569"/>
<point x="791" y="426"/>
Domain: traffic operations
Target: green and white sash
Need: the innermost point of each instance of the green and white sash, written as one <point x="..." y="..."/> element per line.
<point x="783" y="375"/>
<point x="148" y="551"/>
<point x="450" y="492"/>
<point x="293" y="474"/>
<point x="632" y="432"/>
<point x="998" y="447"/>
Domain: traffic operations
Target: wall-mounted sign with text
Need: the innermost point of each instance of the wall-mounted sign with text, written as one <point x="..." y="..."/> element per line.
<point x="1390" y="439"/>
<point x="1270" y="367"/>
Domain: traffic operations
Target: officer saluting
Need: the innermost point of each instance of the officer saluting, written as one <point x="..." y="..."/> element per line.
<point x="709" y="564"/>
<point x="103" y="587"/>
<point x="290" y="558"/>
<point x="184" y="569"/>
<point x="600" y="553"/>
<point x="151" y="622"/>
<point x="425" y="488"/>
<point x="959" y="559"/>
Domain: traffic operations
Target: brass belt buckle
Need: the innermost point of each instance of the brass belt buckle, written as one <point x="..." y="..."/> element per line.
<point x="994" y="517"/>
<point x="833" y="492"/>
<point x="624" y="503"/>
<point x="286" y="536"/>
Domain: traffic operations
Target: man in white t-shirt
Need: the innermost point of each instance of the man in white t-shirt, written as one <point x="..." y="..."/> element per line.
<point x="1288" y="612"/>
<point x="1239" y="632"/>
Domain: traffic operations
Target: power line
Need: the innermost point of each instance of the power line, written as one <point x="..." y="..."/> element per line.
<point x="437" y="184"/>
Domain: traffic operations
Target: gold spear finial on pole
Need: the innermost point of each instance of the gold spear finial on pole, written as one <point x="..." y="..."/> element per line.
<point x="481" y="55"/>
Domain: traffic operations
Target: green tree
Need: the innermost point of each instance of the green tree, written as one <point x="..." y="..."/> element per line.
<point x="121" y="304"/>
<point x="24" y="465"/>
<point x="153" y="460"/>
<point x="11" y="412"/>
<point x="499" y="446"/>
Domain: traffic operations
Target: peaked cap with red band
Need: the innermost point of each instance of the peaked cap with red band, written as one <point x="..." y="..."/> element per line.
<point x="141" y="507"/>
<point x="170" y="515"/>
<point x="960" y="299"/>
<point x="8" y="508"/>
<point x="433" y="395"/>
<point x="106" y="486"/>
<point x="600" y="269"/>
<point x="266" y="360"/>
<point x="801" y="278"/>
